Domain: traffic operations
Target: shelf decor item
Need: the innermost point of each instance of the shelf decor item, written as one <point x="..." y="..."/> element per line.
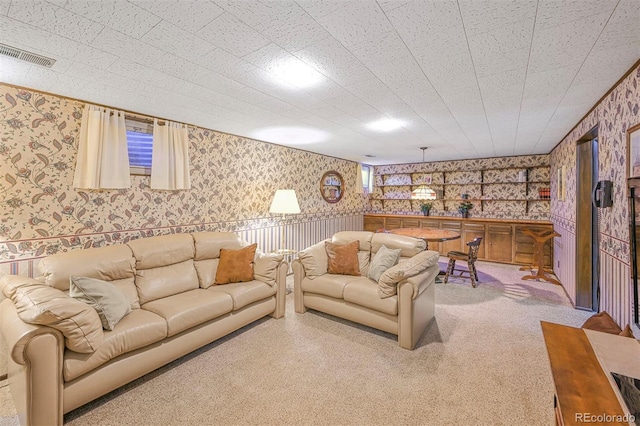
<point x="464" y="208"/>
<point x="425" y="208"/>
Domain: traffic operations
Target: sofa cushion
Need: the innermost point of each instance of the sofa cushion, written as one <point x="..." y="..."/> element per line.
<point x="138" y="329"/>
<point x="206" y="270"/>
<point x="409" y="246"/>
<point x="388" y="282"/>
<point x="154" y="252"/>
<point x="364" y="292"/>
<point x="236" y="265"/>
<point x="108" y="300"/>
<point x="314" y="260"/>
<point x="159" y="282"/>
<point x="191" y="308"/>
<point x="343" y="258"/>
<point x="44" y="305"/>
<point x="209" y="244"/>
<point x="245" y="293"/>
<point x="384" y="259"/>
<point x="328" y="285"/>
<point x="115" y="264"/>
<point x="265" y="267"/>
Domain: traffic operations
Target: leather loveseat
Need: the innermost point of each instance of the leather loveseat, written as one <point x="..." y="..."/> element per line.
<point x="404" y="306"/>
<point x="174" y="309"/>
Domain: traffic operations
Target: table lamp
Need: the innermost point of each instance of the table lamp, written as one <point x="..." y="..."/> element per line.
<point x="284" y="202"/>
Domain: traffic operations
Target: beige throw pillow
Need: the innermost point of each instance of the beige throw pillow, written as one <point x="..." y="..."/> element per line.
<point x="388" y="282"/>
<point x="384" y="259"/>
<point x="43" y="305"/>
<point x="108" y="300"/>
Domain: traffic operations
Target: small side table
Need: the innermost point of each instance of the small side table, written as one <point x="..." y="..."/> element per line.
<point x="288" y="255"/>
<point x="541" y="273"/>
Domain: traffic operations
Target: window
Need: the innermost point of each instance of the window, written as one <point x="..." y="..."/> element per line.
<point x="367" y="178"/>
<point x="140" y="145"/>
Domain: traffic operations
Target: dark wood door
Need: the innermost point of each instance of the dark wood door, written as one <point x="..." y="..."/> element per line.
<point x="586" y="226"/>
<point x="499" y="242"/>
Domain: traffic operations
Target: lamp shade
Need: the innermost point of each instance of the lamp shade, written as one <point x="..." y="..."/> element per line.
<point x="423" y="193"/>
<point x="285" y="202"/>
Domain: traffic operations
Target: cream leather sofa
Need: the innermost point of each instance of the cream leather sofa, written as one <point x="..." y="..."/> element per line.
<point x="175" y="310"/>
<point x="406" y="314"/>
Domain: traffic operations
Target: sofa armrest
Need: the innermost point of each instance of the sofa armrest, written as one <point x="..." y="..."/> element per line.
<point x="419" y="282"/>
<point x="298" y="276"/>
<point x="35" y="378"/>
<point x="9" y="284"/>
<point x="281" y="289"/>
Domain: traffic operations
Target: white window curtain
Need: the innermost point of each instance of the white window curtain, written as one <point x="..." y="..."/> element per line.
<point x="103" y="160"/>
<point x="170" y="157"/>
<point x="359" y="178"/>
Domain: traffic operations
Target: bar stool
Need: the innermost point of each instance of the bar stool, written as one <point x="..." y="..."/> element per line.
<point x="469" y="257"/>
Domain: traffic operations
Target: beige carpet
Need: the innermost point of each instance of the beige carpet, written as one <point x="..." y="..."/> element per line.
<point x="482" y="362"/>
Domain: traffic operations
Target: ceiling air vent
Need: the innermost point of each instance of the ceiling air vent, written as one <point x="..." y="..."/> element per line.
<point x="23" y="55"/>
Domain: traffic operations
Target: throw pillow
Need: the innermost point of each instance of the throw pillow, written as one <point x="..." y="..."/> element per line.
<point x="602" y="321"/>
<point x="108" y="300"/>
<point x="627" y="332"/>
<point x="384" y="259"/>
<point x="236" y="265"/>
<point x="343" y="258"/>
<point x="388" y="282"/>
<point x="78" y="322"/>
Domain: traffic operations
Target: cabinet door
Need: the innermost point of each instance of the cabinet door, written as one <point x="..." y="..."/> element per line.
<point x="525" y="246"/>
<point x="499" y="243"/>
<point x="430" y="223"/>
<point x="470" y="231"/>
<point x="373" y="224"/>
<point x="392" y="223"/>
<point x="447" y="246"/>
<point x="410" y="223"/>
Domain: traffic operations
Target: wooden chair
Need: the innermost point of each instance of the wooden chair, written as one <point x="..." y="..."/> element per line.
<point x="469" y="257"/>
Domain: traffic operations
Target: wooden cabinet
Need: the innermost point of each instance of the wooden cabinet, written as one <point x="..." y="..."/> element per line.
<point x="470" y="231"/>
<point x="503" y="240"/>
<point x="500" y="242"/>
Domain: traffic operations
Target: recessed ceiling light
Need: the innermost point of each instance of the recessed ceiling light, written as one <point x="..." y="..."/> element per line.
<point x="385" y="125"/>
<point x="291" y="135"/>
<point x="297" y="73"/>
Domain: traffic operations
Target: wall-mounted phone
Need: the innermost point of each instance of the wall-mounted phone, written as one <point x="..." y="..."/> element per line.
<point x="602" y="195"/>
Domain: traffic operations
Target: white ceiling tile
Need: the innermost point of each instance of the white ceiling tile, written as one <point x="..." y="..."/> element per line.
<point x="561" y="46"/>
<point x="500" y="40"/>
<point x="373" y="92"/>
<point x="180" y="68"/>
<point x="602" y="64"/>
<point x="190" y="15"/>
<point x="317" y="9"/>
<point x="326" y="56"/>
<point x="232" y="35"/>
<point x="508" y="83"/>
<point x="351" y="105"/>
<point x="297" y="34"/>
<point x="120" y="16"/>
<point x="23" y="36"/>
<point x="4" y="7"/>
<point x="498" y="62"/>
<point x="96" y="57"/>
<point x="448" y="71"/>
<point x="44" y="15"/>
<point x="328" y="90"/>
<point x="14" y="70"/>
<point x="170" y="38"/>
<point x="622" y="28"/>
<point x="549" y="83"/>
<point x="485" y="15"/>
<point x="559" y="12"/>
<point x="125" y="46"/>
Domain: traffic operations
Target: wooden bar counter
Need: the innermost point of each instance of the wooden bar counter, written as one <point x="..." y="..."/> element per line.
<point x="503" y="240"/>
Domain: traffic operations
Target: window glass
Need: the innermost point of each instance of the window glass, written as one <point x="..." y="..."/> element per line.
<point x="140" y="145"/>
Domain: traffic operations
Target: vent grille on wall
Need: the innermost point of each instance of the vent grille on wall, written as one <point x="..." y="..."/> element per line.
<point x="23" y="55"/>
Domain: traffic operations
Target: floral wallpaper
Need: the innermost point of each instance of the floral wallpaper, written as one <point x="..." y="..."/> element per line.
<point x="233" y="182"/>
<point x="617" y="112"/>
<point x="511" y="187"/>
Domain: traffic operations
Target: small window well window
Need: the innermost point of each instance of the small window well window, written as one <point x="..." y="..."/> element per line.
<point x="140" y="145"/>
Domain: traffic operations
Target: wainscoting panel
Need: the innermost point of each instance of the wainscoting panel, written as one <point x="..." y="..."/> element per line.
<point x="268" y="236"/>
<point x="564" y="260"/>
<point x="616" y="295"/>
